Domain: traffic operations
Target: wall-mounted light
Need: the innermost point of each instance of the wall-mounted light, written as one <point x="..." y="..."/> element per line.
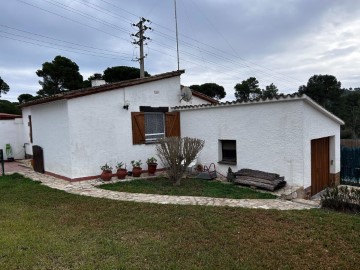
<point x="126" y="105"/>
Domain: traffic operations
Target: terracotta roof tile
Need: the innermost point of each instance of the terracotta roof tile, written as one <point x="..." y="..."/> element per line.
<point x="7" y="116"/>
<point x="102" y="88"/>
<point x="204" y="97"/>
<point x="278" y="98"/>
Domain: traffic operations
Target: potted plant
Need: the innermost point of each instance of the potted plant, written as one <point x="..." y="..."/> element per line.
<point x="152" y="164"/>
<point x="106" y="172"/>
<point x="121" y="172"/>
<point x="136" y="171"/>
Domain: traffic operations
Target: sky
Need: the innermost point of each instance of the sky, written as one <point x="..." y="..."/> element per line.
<point x="284" y="42"/>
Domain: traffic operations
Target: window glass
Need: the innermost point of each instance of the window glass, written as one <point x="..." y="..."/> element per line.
<point x="228" y="150"/>
<point x="154" y="126"/>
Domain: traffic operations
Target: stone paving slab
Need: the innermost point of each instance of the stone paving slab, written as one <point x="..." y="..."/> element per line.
<point x="89" y="188"/>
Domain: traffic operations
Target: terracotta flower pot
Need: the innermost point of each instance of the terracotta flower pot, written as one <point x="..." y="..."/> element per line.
<point x="152" y="168"/>
<point x="106" y="175"/>
<point x="121" y="173"/>
<point x="136" y="171"/>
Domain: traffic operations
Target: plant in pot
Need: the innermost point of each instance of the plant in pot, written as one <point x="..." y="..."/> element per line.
<point x="106" y="172"/>
<point x="136" y="171"/>
<point x="152" y="164"/>
<point x="121" y="170"/>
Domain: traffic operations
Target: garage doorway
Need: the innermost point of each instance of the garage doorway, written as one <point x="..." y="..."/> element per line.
<point x="320" y="165"/>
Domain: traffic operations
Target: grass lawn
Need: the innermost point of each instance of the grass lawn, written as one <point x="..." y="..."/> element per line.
<point x="188" y="187"/>
<point x="43" y="228"/>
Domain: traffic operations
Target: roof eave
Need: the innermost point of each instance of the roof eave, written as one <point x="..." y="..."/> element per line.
<point x="102" y="88"/>
<point x="293" y="97"/>
<point x="321" y="109"/>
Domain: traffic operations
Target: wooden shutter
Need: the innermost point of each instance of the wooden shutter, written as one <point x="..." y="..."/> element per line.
<point x="138" y="127"/>
<point x="172" y="124"/>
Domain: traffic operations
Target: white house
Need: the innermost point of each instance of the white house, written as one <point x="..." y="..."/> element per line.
<point x="11" y="132"/>
<point x="83" y="129"/>
<point x="290" y="135"/>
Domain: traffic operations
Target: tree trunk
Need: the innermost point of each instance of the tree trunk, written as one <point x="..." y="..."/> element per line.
<point x="177" y="182"/>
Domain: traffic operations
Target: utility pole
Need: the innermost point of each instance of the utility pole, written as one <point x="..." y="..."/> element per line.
<point x="140" y="38"/>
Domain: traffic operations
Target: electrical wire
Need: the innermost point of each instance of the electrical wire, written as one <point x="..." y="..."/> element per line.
<point x="67" y="50"/>
<point x="164" y="35"/>
<point x="78" y="22"/>
<point x="55" y="39"/>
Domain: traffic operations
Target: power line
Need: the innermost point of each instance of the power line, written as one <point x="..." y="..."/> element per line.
<point x="92" y="18"/>
<point x="215" y="55"/>
<point x="103" y="10"/>
<point x="67" y="50"/>
<point x="55" y="39"/>
<point x="78" y="22"/>
<point x="269" y="72"/>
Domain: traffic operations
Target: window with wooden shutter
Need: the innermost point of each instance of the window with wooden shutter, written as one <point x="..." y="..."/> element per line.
<point x="138" y="127"/>
<point x="172" y="124"/>
<point x="147" y="127"/>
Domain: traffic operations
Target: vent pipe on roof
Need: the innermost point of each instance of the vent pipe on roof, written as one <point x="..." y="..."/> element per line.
<point x="97" y="81"/>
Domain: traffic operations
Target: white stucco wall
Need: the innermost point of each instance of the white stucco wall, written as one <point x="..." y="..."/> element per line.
<point x="268" y="136"/>
<point x="317" y="125"/>
<point x="100" y="129"/>
<point x="11" y="131"/>
<point x="26" y="130"/>
<point x="51" y="132"/>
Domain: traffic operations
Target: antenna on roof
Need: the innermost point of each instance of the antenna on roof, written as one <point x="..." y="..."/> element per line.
<point x="177" y="38"/>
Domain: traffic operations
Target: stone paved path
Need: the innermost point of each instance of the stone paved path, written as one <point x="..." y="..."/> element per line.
<point x="88" y="188"/>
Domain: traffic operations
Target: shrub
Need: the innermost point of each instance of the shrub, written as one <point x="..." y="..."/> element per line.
<point x="177" y="153"/>
<point x="341" y="199"/>
<point x="136" y="163"/>
<point x="106" y="167"/>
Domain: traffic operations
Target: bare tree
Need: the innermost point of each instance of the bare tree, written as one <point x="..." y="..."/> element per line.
<point x="177" y="153"/>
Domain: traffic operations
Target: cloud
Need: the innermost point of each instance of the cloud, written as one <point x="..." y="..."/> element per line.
<point x="283" y="42"/>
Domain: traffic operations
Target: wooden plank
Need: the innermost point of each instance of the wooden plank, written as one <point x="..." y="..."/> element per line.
<point x="258" y="174"/>
<point x="260" y="183"/>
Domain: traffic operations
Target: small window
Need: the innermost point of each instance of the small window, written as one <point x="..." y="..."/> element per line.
<point x="154" y="126"/>
<point x="228" y="151"/>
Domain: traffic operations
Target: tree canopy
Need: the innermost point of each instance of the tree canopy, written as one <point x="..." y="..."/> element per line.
<point x="247" y="89"/>
<point x="25" y="98"/>
<point x="270" y="91"/>
<point x="324" y="89"/>
<point x="9" y="107"/>
<point x="121" y="73"/>
<point x="4" y="87"/>
<point x="212" y="90"/>
<point x="352" y="114"/>
<point x="58" y="76"/>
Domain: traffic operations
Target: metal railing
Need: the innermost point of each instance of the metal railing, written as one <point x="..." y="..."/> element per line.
<point x="350" y="166"/>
